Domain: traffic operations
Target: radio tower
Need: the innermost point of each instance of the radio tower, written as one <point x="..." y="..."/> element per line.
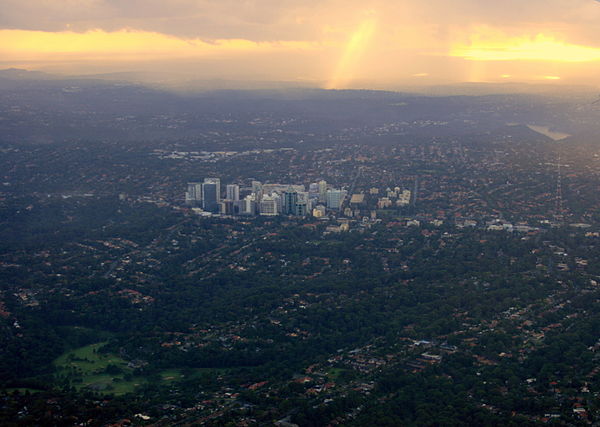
<point x="558" y="216"/>
<point x="415" y="192"/>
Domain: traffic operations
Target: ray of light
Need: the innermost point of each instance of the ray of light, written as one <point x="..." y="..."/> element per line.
<point x="354" y="49"/>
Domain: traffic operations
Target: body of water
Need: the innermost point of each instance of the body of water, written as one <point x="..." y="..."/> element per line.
<point x="545" y="130"/>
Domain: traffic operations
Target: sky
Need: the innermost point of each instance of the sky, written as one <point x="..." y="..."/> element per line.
<point x="328" y="43"/>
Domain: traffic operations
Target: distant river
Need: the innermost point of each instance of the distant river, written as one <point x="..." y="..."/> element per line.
<point x="545" y="130"/>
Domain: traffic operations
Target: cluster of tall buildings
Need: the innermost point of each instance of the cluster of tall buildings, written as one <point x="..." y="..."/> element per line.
<point x="264" y="199"/>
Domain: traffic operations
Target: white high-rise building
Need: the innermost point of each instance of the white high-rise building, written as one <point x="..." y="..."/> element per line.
<point x="249" y="205"/>
<point x="257" y="188"/>
<point x="193" y="195"/>
<point x="269" y="205"/>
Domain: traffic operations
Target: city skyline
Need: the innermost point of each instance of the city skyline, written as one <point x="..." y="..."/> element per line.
<point x="266" y="199"/>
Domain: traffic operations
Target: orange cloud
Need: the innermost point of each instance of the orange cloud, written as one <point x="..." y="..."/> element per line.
<point x="490" y="45"/>
<point x="127" y="44"/>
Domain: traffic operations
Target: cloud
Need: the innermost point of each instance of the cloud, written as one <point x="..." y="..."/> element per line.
<point x="258" y="20"/>
<point x="340" y="42"/>
<point x="98" y="44"/>
<point x="487" y="44"/>
<point x="262" y="20"/>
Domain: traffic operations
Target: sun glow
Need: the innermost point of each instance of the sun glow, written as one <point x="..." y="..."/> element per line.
<point x="353" y="51"/>
<point x="126" y="45"/>
<point x="494" y="46"/>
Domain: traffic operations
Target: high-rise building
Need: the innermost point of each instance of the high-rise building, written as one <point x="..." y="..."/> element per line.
<point x="290" y="198"/>
<point x="303" y="196"/>
<point x="249" y="205"/>
<point x="238" y="207"/>
<point x="313" y="189"/>
<point x="268" y="205"/>
<point x="335" y="198"/>
<point x="229" y="207"/>
<point x="193" y="195"/>
<point x="300" y="209"/>
<point x="304" y="204"/>
<point x="257" y="188"/>
<point x="211" y="194"/>
<point x="232" y="192"/>
<point x="322" y="190"/>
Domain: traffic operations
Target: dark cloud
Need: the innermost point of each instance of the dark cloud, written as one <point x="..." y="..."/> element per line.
<point x="249" y="19"/>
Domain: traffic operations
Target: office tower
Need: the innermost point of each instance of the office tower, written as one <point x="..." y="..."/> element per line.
<point x="309" y="205"/>
<point x="303" y="204"/>
<point x="193" y="195"/>
<point x="290" y="198"/>
<point x="211" y="194"/>
<point x="257" y="188"/>
<point x="232" y="192"/>
<point x="335" y="198"/>
<point x="322" y="190"/>
<point x="303" y="196"/>
<point x="249" y="205"/>
<point x="238" y="207"/>
<point x="268" y="205"/>
<point x="300" y="209"/>
<point x="313" y="189"/>
<point x="229" y="207"/>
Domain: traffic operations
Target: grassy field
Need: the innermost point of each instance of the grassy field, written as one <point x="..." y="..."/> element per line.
<point x="85" y="367"/>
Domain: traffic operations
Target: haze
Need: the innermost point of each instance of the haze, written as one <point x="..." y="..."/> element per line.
<point x="331" y="44"/>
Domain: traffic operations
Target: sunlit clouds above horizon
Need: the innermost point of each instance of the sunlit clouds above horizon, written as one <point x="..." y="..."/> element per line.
<point x="489" y="45"/>
<point x="331" y="43"/>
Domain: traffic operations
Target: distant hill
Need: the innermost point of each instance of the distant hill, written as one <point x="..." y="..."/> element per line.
<point x="183" y="83"/>
<point x="40" y="106"/>
<point x="20" y="74"/>
<point x="506" y="88"/>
